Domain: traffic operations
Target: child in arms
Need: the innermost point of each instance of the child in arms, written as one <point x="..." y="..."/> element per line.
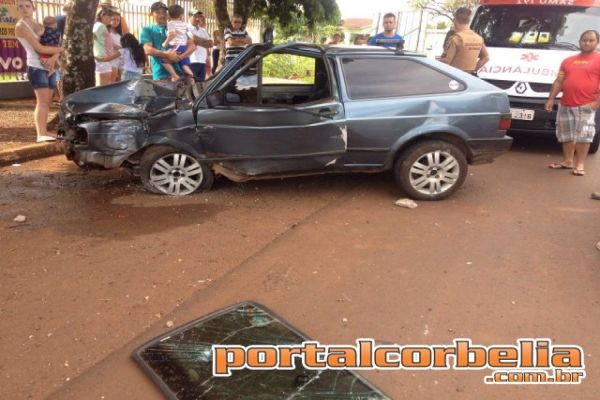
<point x="177" y="41"/>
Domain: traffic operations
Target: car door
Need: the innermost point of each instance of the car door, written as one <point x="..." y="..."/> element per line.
<point x="256" y="124"/>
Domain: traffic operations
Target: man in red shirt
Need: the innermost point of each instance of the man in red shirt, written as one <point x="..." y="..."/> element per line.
<point x="579" y="80"/>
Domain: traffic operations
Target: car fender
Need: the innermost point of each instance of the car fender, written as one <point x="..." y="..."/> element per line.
<point x="194" y="150"/>
<point x="452" y="134"/>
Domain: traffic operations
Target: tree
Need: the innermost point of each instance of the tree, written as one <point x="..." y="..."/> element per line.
<point x="442" y="8"/>
<point x="286" y="14"/>
<point x="78" y="62"/>
<point x="281" y="12"/>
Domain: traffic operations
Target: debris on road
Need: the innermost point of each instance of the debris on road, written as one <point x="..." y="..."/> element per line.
<point x="20" y="218"/>
<point x="406" y="203"/>
<point x="185" y="349"/>
<point x="169" y="324"/>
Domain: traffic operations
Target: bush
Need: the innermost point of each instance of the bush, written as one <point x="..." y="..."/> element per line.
<point x="289" y="66"/>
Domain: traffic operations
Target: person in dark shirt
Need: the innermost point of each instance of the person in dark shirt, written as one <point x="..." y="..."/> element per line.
<point x="51" y="37"/>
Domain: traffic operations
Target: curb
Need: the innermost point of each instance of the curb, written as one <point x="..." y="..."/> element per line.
<point x="31" y="152"/>
<point x="26" y="107"/>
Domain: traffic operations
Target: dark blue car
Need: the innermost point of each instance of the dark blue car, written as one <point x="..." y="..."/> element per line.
<point x="296" y="109"/>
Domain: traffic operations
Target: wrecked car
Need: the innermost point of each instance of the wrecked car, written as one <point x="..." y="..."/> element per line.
<point x="291" y="110"/>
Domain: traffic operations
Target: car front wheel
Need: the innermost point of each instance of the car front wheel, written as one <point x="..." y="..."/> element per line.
<point x="431" y="170"/>
<point x="166" y="170"/>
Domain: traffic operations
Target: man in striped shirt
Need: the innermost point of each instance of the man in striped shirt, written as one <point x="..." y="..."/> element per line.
<point x="236" y="39"/>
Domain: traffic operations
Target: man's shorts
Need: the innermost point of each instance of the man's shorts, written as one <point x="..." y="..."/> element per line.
<point x="39" y="78"/>
<point x="102" y="67"/>
<point x="575" y="124"/>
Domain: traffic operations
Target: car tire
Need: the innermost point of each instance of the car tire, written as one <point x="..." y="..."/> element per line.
<point x="166" y="170"/>
<point x="431" y="170"/>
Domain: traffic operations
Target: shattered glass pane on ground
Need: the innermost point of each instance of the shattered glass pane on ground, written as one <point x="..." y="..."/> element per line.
<point x="181" y="362"/>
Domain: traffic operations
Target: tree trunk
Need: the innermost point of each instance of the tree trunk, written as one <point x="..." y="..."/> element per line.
<point x="241" y="7"/>
<point x="223" y="21"/>
<point x="78" y="63"/>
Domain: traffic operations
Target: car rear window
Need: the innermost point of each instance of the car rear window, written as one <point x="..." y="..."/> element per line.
<point x="370" y="78"/>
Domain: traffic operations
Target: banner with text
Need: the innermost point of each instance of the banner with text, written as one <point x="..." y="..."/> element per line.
<point x="12" y="54"/>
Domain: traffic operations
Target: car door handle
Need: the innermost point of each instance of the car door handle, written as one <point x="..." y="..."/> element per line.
<point x="328" y="112"/>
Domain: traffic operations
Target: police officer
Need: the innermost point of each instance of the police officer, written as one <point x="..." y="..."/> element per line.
<point x="465" y="49"/>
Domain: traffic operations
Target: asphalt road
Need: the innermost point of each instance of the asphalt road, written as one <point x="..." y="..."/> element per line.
<point x="100" y="266"/>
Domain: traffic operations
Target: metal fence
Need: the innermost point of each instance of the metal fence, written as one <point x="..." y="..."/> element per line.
<point x="138" y="15"/>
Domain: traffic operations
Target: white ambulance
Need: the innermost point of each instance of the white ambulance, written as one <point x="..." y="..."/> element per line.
<point x="527" y="40"/>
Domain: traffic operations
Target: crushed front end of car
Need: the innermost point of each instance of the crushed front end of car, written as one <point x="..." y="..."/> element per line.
<point x="104" y="126"/>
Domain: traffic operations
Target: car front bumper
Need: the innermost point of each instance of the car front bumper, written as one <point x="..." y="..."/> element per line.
<point x="104" y="144"/>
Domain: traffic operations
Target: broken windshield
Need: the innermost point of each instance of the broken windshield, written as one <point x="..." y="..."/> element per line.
<point x="556" y="27"/>
<point x="181" y="362"/>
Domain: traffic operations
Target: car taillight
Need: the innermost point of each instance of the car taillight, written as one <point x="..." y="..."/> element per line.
<point x="504" y="124"/>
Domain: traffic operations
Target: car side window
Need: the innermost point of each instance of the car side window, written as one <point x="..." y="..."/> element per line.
<point x="289" y="69"/>
<point x="243" y="89"/>
<point x="277" y="79"/>
<point x="293" y="79"/>
<point x="372" y="78"/>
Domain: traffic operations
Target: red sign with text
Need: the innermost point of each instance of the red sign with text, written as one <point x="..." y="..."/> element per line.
<point x="12" y="54"/>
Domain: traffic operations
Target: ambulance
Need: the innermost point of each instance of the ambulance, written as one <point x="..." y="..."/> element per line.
<point x="527" y="40"/>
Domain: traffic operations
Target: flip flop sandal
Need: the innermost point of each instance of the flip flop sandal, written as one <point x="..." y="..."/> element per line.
<point x="578" y="172"/>
<point x="559" y="166"/>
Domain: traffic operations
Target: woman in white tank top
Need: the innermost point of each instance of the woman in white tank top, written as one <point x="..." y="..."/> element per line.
<point x="37" y="73"/>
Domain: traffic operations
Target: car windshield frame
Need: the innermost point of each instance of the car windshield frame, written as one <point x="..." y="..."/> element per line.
<point x="533" y="26"/>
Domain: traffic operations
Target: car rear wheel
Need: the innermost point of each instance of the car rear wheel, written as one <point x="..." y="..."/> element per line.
<point x="166" y="170"/>
<point x="431" y="170"/>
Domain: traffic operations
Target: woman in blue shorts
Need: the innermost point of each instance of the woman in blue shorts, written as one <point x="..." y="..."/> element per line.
<point x="37" y="72"/>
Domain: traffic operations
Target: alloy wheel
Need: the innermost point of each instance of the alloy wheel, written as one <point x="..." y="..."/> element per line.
<point x="176" y="174"/>
<point x="434" y="172"/>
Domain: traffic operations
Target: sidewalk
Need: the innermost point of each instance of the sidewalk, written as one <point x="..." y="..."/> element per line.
<point x="17" y="133"/>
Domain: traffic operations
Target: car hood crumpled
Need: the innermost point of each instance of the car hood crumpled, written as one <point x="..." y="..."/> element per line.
<point x="137" y="98"/>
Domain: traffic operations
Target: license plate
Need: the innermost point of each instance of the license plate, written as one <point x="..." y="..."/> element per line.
<point x="522" y="113"/>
